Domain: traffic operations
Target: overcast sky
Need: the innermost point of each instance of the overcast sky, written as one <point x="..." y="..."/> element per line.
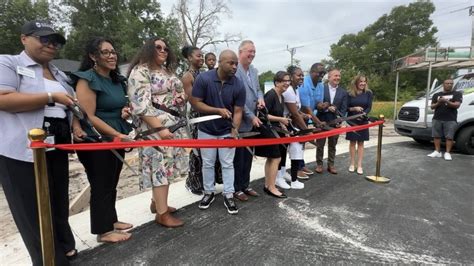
<point x="316" y="24"/>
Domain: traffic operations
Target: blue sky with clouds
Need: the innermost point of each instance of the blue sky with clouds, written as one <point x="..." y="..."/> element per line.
<point x="316" y="24"/>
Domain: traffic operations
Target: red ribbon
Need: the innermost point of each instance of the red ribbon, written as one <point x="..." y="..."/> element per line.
<point x="200" y="143"/>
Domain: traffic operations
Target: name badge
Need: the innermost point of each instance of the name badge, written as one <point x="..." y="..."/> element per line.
<point x="25" y="72"/>
<point x="50" y="140"/>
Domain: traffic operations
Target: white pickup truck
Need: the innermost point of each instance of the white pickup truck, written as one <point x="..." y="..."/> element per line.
<point x="411" y="117"/>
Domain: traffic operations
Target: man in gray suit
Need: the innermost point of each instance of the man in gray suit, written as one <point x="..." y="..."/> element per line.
<point x="254" y="99"/>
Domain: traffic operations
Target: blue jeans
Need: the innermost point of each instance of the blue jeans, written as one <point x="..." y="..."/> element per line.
<point x="226" y="158"/>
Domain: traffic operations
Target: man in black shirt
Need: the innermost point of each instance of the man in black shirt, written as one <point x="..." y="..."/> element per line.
<point x="445" y="105"/>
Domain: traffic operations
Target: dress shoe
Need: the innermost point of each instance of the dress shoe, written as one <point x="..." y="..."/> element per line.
<point x="153" y="208"/>
<point x="251" y="192"/>
<point x="168" y="220"/>
<point x="332" y="170"/>
<point x="360" y="171"/>
<point x="351" y="169"/>
<point x="319" y="169"/>
<point x="241" y="196"/>
<point x="282" y="196"/>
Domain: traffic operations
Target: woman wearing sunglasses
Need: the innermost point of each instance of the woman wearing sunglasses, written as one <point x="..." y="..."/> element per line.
<point x="35" y="94"/>
<point x="101" y="91"/>
<point x="157" y="98"/>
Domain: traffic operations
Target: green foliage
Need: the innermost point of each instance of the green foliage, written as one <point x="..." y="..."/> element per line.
<point x="372" y="50"/>
<point x="265" y="76"/>
<point x="127" y="23"/>
<point x="385" y="108"/>
<point x="13" y="14"/>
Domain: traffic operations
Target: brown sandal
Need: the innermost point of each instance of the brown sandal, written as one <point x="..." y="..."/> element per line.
<point x="126" y="226"/>
<point x="125" y="237"/>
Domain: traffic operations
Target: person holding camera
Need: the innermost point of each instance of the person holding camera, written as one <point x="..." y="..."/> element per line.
<point x="445" y="105"/>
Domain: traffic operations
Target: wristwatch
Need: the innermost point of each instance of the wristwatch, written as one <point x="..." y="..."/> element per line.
<point x="50" y="99"/>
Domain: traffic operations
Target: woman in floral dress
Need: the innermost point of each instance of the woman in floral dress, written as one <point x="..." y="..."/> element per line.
<point x="151" y="84"/>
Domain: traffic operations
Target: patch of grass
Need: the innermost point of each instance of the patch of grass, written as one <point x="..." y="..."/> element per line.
<point x="385" y="108"/>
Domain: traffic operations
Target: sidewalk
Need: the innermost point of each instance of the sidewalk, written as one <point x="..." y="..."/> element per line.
<point x="135" y="209"/>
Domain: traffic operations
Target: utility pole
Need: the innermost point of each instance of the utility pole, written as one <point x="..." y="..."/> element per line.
<point x="471" y="13"/>
<point x="292" y="51"/>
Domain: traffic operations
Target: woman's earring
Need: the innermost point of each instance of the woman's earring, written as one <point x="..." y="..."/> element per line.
<point x="95" y="64"/>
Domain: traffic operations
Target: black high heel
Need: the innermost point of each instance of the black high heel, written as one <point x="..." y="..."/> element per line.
<point x="282" y="196"/>
<point x="73" y="255"/>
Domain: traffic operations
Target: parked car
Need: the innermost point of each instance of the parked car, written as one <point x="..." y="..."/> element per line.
<point x="411" y="117"/>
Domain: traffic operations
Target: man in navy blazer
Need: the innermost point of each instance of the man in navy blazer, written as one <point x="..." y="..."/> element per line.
<point x="254" y="99"/>
<point x="334" y="103"/>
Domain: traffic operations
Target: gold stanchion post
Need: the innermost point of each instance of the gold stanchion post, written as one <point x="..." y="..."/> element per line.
<point x="377" y="178"/>
<point x="42" y="196"/>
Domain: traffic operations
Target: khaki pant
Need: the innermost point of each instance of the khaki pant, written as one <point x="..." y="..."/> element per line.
<point x="332" y="142"/>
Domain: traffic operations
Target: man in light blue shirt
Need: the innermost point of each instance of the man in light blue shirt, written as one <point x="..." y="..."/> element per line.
<point x="312" y="91"/>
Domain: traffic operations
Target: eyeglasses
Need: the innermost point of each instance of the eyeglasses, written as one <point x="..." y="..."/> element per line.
<point x="160" y="48"/>
<point x="47" y="40"/>
<point x="108" y="53"/>
<point x="285" y="80"/>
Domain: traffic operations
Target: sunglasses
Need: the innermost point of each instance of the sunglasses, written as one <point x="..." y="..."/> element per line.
<point x="50" y="39"/>
<point x="160" y="48"/>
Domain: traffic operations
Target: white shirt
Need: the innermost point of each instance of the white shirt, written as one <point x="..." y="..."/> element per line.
<point x="332" y="92"/>
<point x="58" y="110"/>
<point x="21" y="74"/>
<point x="291" y="96"/>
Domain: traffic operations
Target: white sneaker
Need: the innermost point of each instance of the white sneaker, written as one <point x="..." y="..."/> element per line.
<point x="297" y="185"/>
<point x="287" y="177"/>
<point x="435" y="154"/>
<point x="447" y="156"/>
<point x="282" y="183"/>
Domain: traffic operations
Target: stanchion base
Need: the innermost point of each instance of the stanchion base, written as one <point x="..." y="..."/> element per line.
<point x="377" y="179"/>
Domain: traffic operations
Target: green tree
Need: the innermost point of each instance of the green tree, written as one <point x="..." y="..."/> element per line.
<point x="13" y="14"/>
<point x="265" y="76"/>
<point x="127" y="23"/>
<point x="371" y="51"/>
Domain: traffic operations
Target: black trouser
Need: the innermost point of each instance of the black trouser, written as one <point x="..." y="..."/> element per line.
<point x="18" y="182"/>
<point x="103" y="172"/>
<point x="242" y="166"/>
<point x="295" y="167"/>
<point x="58" y="172"/>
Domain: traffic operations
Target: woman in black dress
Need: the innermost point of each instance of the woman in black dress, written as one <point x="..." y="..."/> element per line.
<point x="359" y="101"/>
<point x="275" y="106"/>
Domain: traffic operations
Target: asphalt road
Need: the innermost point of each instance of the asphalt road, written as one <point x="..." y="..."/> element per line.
<point x="424" y="215"/>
